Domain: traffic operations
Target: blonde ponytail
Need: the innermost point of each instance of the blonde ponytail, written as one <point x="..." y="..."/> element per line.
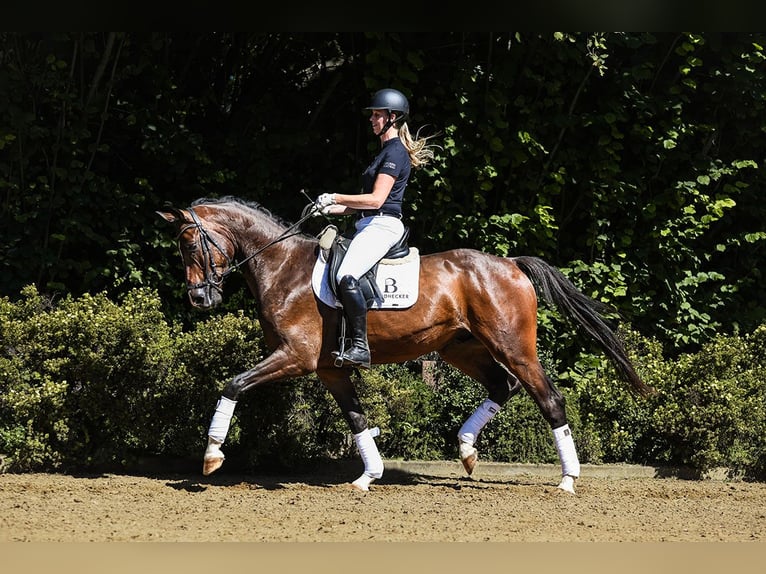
<point x="420" y="151"/>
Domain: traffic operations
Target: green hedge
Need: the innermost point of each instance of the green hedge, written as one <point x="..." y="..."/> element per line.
<point x="90" y="383"/>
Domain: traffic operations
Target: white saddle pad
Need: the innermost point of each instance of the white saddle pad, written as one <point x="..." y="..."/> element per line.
<point x="398" y="280"/>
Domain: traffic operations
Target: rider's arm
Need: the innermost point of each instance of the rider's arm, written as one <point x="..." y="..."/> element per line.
<point x="380" y="190"/>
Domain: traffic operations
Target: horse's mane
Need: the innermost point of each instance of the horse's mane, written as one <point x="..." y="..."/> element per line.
<point x="246" y="204"/>
<point x="240" y="202"/>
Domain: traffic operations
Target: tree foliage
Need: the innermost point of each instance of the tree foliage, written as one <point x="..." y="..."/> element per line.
<point x="630" y="160"/>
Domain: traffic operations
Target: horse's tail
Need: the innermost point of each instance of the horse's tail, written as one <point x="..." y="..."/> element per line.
<point x="555" y="288"/>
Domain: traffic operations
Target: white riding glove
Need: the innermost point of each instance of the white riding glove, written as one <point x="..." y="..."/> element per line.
<point x="324" y="204"/>
<point x="323" y="211"/>
<point x="325" y="200"/>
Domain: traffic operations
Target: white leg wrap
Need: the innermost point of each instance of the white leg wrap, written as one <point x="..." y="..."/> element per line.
<point x="373" y="463"/>
<point x="219" y="425"/>
<point x="480" y="417"/>
<point x="570" y="464"/>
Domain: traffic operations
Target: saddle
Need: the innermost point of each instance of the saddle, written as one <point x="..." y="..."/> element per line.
<point x="335" y="246"/>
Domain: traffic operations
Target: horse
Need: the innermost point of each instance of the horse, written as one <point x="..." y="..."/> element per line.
<point x="476" y="310"/>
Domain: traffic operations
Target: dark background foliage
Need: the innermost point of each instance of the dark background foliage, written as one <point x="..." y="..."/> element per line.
<point x="630" y="160"/>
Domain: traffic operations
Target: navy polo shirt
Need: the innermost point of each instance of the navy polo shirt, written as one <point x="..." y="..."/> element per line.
<point x="392" y="160"/>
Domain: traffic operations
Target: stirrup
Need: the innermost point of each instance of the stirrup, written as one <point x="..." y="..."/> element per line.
<point x="338" y="359"/>
<point x="341" y="358"/>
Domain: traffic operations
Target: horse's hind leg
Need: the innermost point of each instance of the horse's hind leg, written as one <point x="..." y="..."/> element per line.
<point x="552" y="405"/>
<point x="473" y="359"/>
<point x="553" y="408"/>
<point x="338" y="382"/>
<point x="522" y="368"/>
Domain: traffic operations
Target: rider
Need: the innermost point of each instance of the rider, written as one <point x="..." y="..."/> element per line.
<point x="379" y="207"/>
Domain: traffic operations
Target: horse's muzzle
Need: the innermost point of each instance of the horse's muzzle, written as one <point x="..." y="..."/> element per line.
<point x="204" y="297"/>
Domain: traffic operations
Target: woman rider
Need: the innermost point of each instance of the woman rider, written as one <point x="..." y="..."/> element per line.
<point x="379" y="207"/>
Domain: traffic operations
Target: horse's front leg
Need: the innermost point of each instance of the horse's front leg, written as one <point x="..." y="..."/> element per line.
<point x="279" y="365"/>
<point x="338" y="382"/>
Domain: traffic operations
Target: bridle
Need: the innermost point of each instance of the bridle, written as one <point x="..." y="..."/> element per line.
<point x="213" y="278"/>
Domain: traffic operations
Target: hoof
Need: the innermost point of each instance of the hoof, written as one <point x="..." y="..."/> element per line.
<point x="362" y="483"/>
<point x="567" y="484"/>
<point x="468" y="456"/>
<point x="210" y="465"/>
<point x="213" y="458"/>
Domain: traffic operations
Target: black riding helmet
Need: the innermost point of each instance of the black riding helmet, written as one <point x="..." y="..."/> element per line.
<point x="392" y="101"/>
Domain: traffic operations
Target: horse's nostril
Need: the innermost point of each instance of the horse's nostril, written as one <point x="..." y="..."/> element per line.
<point x="197" y="298"/>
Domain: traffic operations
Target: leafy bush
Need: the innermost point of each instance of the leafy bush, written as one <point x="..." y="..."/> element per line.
<point x="79" y="382"/>
<point x="87" y="383"/>
<point x="614" y="421"/>
<point x="709" y="411"/>
<point x="404" y="407"/>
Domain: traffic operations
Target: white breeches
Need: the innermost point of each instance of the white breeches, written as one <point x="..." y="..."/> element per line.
<point x="375" y="235"/>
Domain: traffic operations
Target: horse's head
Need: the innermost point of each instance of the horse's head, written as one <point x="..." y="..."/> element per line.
<point x="207" y="253"/>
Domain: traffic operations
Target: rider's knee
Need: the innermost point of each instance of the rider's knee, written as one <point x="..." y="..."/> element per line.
<point x="348" y="282"/>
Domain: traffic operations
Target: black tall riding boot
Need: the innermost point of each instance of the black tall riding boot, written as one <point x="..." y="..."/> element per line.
<point x="355" y="309"/>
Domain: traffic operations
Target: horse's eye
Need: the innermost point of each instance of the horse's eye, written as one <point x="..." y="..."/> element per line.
<point x="191" y="247"/>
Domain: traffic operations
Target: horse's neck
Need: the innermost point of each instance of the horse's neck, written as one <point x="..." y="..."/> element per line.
<point x="252" y="234"/>
<point x="284" y="266"/>
<point x="276" y="260"/>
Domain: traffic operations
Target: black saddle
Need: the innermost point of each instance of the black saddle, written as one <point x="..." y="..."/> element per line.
<point x="337" y="251"/>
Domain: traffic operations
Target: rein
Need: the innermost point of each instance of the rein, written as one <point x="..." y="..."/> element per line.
<point x="214" y="279"/>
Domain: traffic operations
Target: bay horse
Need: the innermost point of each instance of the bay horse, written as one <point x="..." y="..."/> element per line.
<point x="477" y="311"/>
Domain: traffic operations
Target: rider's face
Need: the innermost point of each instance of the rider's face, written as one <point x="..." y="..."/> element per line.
<point x="378" y="119"/>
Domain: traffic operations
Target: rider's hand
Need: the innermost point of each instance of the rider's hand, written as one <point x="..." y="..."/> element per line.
<point x="325" y="200"/>
<point x="329" y="210"/>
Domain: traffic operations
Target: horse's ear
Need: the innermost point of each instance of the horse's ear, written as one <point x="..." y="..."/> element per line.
<point x="170" y="214"/>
